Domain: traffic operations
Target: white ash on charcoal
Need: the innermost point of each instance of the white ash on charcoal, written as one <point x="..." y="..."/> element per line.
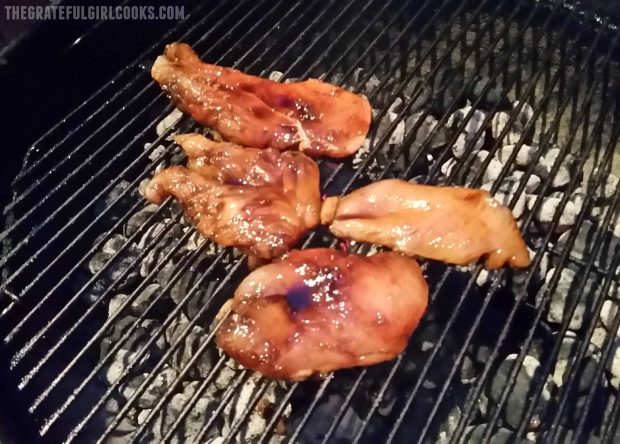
<point x="157" y="252"/>
<point x="139" y="218"/>
<point x="168" y="122"/>
<point x="609" y="312"/>
<point x="566" y="360"/>
<point x="113" y="269"/>
<point x="613" y="365"/>
<point x="467" y="140"/>
<point x="447" y="168"/>
<point x="104" y="417"/>
<point x="475" y="433"/>
<point x="418" y="91"/>
<point x="424" y="127"/>
<point x="506" y="193"/>
<point x="563" y="175"/>
<point x="199" y="296"/>
<point x="254" y="422"/>
<point x="142" y="187"/>
<point x="382" y="126"/>
<point x="524" y="157"/>
<point x="550" y="206"/>
<point x="224" y="377"/>
<point x="518" y="125"/>
<point x="488" y="93"/>
<point x="140" y="303"/>
<point x="276" y="76"/>
<point x="467" y="371"/>
<point x="584" y="243"/>
<point x="158" y="152"/>
<point x="607" y="189"/>
<point x="533" y="181"/>
<point x="188" y="348"/>
<point x="127" y="353"/>
<point x="567" y="293"/>
<point x="118" y="197"/>
<point x="599" y="336"/>
<point x="371" y="84"/>
<point x="155" y="389"/>
<point x="475" y="170"/>
<point x="190" y="427"/>
<point x="449" y="425"/>
<point x="196" y="240"/>
<point x="529" y="375"/>
<point x="322" y="419"/>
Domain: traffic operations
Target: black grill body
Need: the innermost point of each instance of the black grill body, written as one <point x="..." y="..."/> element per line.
<point x="107" y="304"/>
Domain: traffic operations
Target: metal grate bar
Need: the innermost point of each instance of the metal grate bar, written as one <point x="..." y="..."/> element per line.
<point x="179" y="269"/>
<point x="197" y="353"/>
<point x="93" y="223"/>
<point x="315" y="22"/>
<point x="584" y="159"/>
<point x="568" y="386"/>
<point x="88" y="159"/>
<point x="345" y="405"/>
<point x="306" y="243"/>
<point x="380" y="142"/>
<point x="571" y="309"/>
<point x="537" y="258"/>
<point x="226" y="397"/>
<point x="478" y="387"/>
<point x="154" y="144"/>
<point x="555" y="278"/>
<point x="126" y="191"/>
<point x="97" y="219"/>
<point x="383" y="141"/>
<point x="192" y="401"/>
<point x="443" y="46"/>
<point x="11" y="335"/>
<point x="113" y="83"/>
<point x="16" y="359"/>
<point x="345" y="187"/>
<point x="171" y="350"/>
<point x="321" y="34"/>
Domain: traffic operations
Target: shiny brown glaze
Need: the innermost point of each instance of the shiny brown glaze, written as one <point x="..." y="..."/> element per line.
<point x="312" y="116"/>
<point x="294" y="173"/>
<point x="450" y="224"/>
<point x="262" y="221"/>
<point x="319" y="310"/>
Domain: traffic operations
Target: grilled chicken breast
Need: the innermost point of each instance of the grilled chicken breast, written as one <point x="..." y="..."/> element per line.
<point x="318" y="310"/>
<point x="450" y="224"/>
<point x="311" y="116"/>
<point x="260" y="201"/>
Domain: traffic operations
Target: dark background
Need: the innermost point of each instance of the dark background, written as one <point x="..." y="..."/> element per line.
<point x="45" y="73"/>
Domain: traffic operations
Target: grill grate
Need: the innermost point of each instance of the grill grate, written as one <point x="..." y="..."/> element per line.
<point x="487" y="360"/>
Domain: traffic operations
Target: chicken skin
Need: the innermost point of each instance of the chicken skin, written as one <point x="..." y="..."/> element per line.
<point x="319" y="310"/>
<point x="312" y="116"/>
<point x="450" y="224"/>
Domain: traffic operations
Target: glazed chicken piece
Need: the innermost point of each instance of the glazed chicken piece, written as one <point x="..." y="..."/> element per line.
<point x="318" y="310"/>
<point x="450" y="224"/>
<point x="311" y="116"/>
<point x="232" y="164"/>
<point x="262" y="221"/>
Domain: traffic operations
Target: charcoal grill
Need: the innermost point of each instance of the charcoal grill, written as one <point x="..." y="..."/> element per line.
<point x="107" y="304"/>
